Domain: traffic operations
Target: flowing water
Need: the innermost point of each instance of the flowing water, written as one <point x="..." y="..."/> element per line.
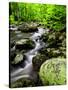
<point x="27" y="70"/>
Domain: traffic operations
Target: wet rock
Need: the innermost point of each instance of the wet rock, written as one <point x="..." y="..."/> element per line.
<point x="54" y="39"/>
<point x="56" y="44"/>
<point x="25" y="44"/>
<point x="64" y="43"/>
<point x="12" y="55"/>
<point x="53" y="52"/>
<point x="50" y="39"/>
<point x="23" y="82"/>
<point x="12" y="43"/>
<point x="28" y="27"/>
<point x="44" y="37"/>
<point x="63" y="51"/>
<point x="23" y="27"/>
<point x="53" y="71"/>
<point x="45" y="54"/>
<point x="18" y="58"/>
<point x="38" y="60"/>
<point x="13" y="27"/>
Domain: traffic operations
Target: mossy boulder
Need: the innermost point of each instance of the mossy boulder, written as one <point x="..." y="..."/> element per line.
<point x="53" y="72"/>
<point x="23" y="82"/>
<point x="25" y="44"/>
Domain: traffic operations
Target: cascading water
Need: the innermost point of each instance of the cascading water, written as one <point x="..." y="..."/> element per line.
<point x="27" y="71"/>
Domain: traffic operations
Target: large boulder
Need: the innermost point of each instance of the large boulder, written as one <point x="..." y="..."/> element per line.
<point x="53" y="72"/>
<point x="25" y="44"/>
<point x="28" y="27"/>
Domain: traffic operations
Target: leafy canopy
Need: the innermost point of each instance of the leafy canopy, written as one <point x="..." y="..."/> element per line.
<point x="52" y="16"/>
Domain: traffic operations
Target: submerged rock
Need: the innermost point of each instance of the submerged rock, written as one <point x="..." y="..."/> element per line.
<point x="53" y="72"/>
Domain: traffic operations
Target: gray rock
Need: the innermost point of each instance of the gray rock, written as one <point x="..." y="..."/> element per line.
<point x="38" y="60"/>
<point x="18" y="58"/>
<point x="23" y="82"/>
<point x="28" y="27"/>
<point x="25" y="44"/>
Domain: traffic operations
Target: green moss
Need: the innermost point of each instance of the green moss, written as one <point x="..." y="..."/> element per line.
<point x="53" y="72"/>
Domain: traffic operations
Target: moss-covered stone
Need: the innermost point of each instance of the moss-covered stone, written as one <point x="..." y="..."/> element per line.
<point x="53" y="71"/>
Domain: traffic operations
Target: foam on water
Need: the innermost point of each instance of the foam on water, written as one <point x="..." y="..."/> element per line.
<point x="28" y="68"/>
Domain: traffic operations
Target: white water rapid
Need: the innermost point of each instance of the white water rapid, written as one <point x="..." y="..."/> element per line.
<point x="27" y="71"/>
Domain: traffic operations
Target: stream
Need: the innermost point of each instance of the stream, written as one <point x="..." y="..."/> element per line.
<point x="27" y="71"/>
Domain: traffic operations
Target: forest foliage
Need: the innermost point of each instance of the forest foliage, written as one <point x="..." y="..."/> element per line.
<point x="52" y="16"/>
